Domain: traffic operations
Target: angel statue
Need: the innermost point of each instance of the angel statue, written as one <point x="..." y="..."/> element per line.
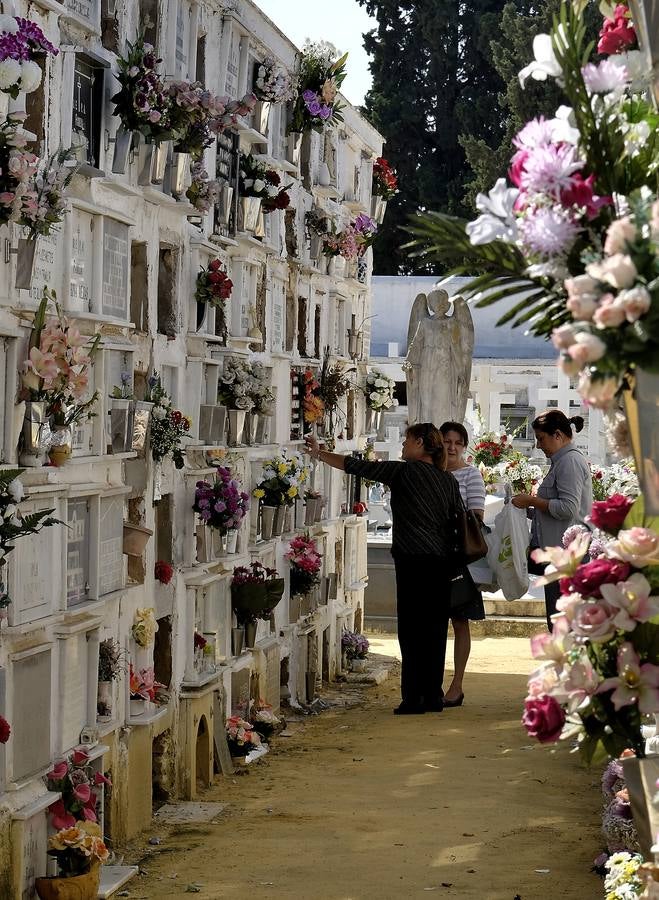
<point x="439" y="352"/>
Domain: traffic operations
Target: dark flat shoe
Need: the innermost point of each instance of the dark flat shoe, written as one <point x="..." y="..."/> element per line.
<point x="457" y="702"/>
<point x="435" y="707"/>
<point x="406" y="710"/>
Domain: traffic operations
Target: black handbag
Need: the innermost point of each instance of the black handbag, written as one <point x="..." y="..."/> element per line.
<point x="463" y="591"/>
<point x="470" y="534"/>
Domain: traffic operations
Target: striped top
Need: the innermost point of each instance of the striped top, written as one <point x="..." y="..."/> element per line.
<point x="472" y="486"/>
<point x="424" y="502"/>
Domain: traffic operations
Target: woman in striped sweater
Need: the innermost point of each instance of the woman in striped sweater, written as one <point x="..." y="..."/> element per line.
<point x="472" y="490"/>
<point x="424" y="503"/>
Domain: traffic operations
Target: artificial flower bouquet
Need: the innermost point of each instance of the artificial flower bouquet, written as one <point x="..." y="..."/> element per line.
<point x="385" y="181"/>
<point x="221" y="505"/>
<point x="492" y="448"/>
<point x="320" y="76"/>
<point x="305" y="562"/>
<point x="21" y="43"/>
<point x="80" y="788"/>
<point x="168" y="426"/>
<point x="619" y="478"/>
<point x="255" y="591"/>
<point x="522" y="475"/>
<point x="213" y="284"/>
<point x="266" y="723"/>
<point x="257" y="180"/>
<point x="313" y="405"/>
<point x="197" y="115"/>
<point x="599" y="669"/>
<point x="143" y="684"/>
<point x="57" y="368"/>
<point x="273" y="83"/>
<point x="242" y="736"/>
<point x="236" y="384"/>
<point x="355" y="646"/>
<point x="282" y="479"/>
<point x="351" y="242"/>
<point x="77" y="848"/>
<point x="143" y="103"/>
<point x="163" y="571"/>
<point x="379" y="391"/>
<point x="203" y="190"/>
<point x="144" y="626"/>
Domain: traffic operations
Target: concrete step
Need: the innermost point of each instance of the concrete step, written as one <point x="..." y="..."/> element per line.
<point x="492" y="626"/>
<point x="515" y="608"/>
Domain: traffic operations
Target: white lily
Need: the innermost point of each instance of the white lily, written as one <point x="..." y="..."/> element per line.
<point x="544" y="65"/>
<point x="497" y="222"/>
<point x="564" y="130"/>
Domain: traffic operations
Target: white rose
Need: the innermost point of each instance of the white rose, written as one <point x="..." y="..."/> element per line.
<point x="618" y="270"/>
<point x="587" y="348"/>
<point x="30" y="76"/>
<point x="598" y="392"/>
<point x="259" y="185"/>
<point x="618" y="235"/>
<point x="159" y="412"/>
<point x="271" y="190"/>
<point x="16" y="490"/>
<point x="10" y="72"/>
<point x="635" y="302"/>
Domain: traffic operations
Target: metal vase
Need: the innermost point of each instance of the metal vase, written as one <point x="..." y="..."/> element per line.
<point x="236" y="426"/>
<point x="27" y="248"/>
<point x="179" y="171"/>
<point x="262" y="116"/>
<point x="294" y="608"/>
<point x="293" y="145"/>
<point x="319" y="509"/>
<point x="299" y="512"/>
<point x="250" y="634"/>
<point x="310" y="511"/>
<point x="237" y="640"/>
<point x="212" y="423"/>
<point x="262" y="429"/>
<point x="288" y="519"/>
<point x="232" y="541"/>
<point x="152" y="163"/>
<point x="204" y="544"/>
<point x="141" y="410"/>
<point x="224" y="205"/>
<point x="121" y="426"/>
<point x="278" y="526"/>
<point x="35" y="434"/>
<point x="378" y="208"/>
<point x="267" y="521"/>
<point x="249" y="209"/>
<point x="251" y="425"/>
<point x="123" y="143"/>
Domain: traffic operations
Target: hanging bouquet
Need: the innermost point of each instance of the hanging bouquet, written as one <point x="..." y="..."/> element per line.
<point x="80" y="788"/>
<point x="142" y="103"/>
<point x="42" y="198"/>
<point x="221" y="505"/>
<point x="492" y="448"/>
<point x="365" y="230"/>
<point x="203" y="191"/>
<point x="77" y="848"/>
<point x="576" y="233"/>
<point x="379" y="391"/>
<point x="306" y="562"/>
<point x="273" y="83"/>
<point x="57" y="368"/>
<point x="214" y="287"/>
<point x="21" y="43"/>
<point x="343" y="243"/>
<point x="143" y="684"/>
<point x="619" y="478"/>
<point x="235" y="384"/>
<point x="242" y="736"/>
<point x="255" y="591"/>
<point x="385" y="181"/>
<point x="13" y="525"/>
<point x="18" y="167"/>
<point x="168" y="426"/>
<point x="599" y="670"/>
<point x="257" y="180"/>
<point x="282" y="479"/>
<point x="313" y="406"/>
<point x="320" y="76"/>
<point x="197" y="115"/>
<point x="355" y="646"/>
<point x="144" y="626"/>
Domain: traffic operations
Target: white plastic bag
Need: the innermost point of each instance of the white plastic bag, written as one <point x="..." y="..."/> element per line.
<point x="508" y="546"/>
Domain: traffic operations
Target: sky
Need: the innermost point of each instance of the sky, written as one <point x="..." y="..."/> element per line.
<point x="342" y="22"/>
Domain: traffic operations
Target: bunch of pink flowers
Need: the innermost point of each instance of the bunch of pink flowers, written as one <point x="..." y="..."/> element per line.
<point x="79" y="786"/>
<point x="344" y="243"/>
<point x="305" y="562"/>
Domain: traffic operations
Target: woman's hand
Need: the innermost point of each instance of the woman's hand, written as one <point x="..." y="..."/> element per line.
<point x="523" y="501"/>
<point x="312" y="446"/>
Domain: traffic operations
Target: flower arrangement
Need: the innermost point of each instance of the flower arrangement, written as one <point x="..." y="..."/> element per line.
<point x="255" y="591"/>
<point x="110" y="660"/>
<point x="123" y="391"/>
<point x="385" y="181"/>
<point x="273" y="83"/>
<point x="242" y="736"/>
<point x="260" y="391"/>
<point x="20" y="41"/>
<point x="79" y="786"/>
<point x="266" y="723"/>
<point x="622" y="881"/>
<point x="197" y="116"/>
<point x="379" y="391"/>
<point x="203" y="191"/>
<point x="144" y="626"/>
<point x="235" y="384"/>
<point x="334" y="384"/>
<point x="143" y="684"/>
<point x="13" y="525"/>
<point x="77" y="847"/>
<point x="214" y="287"/>
<point x="57" y="368"/>
<point x="492" y="448"/>
<point x="163" y="572"/>
<point x="577" y="231"/>
<point x="620" y="478"/>
<point x="341" y="243"/>
<point x="313" y="406"/>
<point x="17" y="169"/>
<point x="143" y="103"/>
<point x="168" y="426"/>
<point x="599" y="668"/>
<point x="305" y="562"/>
<point x="42" y="198"/>
<point x="355" y="646"/>
<point x="257" y="180"/>
<point x="320" y="76"/>
<point x="365" y="229"/>
<point x="199" y="641"/>
<point x="221" y="505"/>
<point x="519" y="473"/>
<point x="282" y="479"/>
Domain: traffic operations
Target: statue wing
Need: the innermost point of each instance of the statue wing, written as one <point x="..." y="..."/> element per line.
<point x="418" y="312"/>
<point x="463" y="318"/>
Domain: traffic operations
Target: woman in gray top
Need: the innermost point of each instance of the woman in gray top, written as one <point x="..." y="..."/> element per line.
<point x="565" y="496"/>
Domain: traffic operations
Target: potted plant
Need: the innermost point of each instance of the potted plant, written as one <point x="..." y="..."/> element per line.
<point x="355" y="647"/>
<point x="110" y="665"/>
<point x="384" y="187"/>
<point x="222" y="506"/>
<point x="333" y="385"/>
<point x="80" y="788"/>
<point x="259" y="188"/>
<point x="79" y="851"/>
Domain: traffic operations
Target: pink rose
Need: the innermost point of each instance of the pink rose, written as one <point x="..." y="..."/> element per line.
<point x="582" y="306"/>
<point x="563" y="337"/>
<point x="610" y="514"/>
<point x="618" y="235"/>
<point x="598" y="392"/>
<point x="609" y="313"/>
<point x="543" y="718"/>
<point x="60" y="770"/>
<point x="586" y="348"/>
<point x="589" y="577"/>
<point x="568" y="365"/>
<point x="594" y="620"/>
<point x="638" y="546"/>
<point x="617" y="34"/>
<point x="635" y="302"/>
<point x="617" y="270"/>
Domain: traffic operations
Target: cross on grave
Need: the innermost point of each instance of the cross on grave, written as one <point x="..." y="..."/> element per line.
<point x="565" y="396"/>
<point x="489" y="394"/>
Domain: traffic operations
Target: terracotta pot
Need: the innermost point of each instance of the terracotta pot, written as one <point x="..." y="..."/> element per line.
<point x="79" y="887"/>
<point x="136" y="537"/>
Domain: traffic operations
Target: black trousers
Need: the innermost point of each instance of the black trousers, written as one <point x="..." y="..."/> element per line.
<point x="422" y="591"/>
<point x="552" y="593"/>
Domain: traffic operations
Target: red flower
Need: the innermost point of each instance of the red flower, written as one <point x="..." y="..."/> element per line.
<point x="177" y="417"/>
<point x="82" y="792"/>
<point x="214" y="265"/>
<point x="617" y="34"/>
<point x="543" y="718"/>
<point x="589" y="577"/>
<point x="61" y="818"/>
<point x="60" y="770"/>
<point x="79" y="758"/>
<point x="5" y="730"/>
<point x="100" y="778"/>
<point x="610" y="514"/>
<point x="215" y="277"/>
<point x="88" y="814"/>
<point x="272" y="177"/>
<point x="163" y="572"/>
<point x="581" y="193"/>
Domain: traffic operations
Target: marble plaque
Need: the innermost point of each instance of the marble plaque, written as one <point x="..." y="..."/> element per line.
<point x="77" y="552"/>
<point x="111" y="562"/>
<point x="87" y="12"/>
<point x="30" y="748"/>
<point x="278" y="302"/>
<point x="240" y="693"/>
<point x="73" y="686"/>
<point x="182" y="31"/>
<point x="29" y="837"/>
<point x="35" y="568"/>
<point x="47" y="264"/>
<point x="116" y="257"/>
<point x="82" y="260"/>
<point x="233" y="64"/>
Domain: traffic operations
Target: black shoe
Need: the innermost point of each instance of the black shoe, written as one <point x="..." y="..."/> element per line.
<point x="435" y="707"/>
<point x="457" y="702"/>
<point x="407" y="709"/>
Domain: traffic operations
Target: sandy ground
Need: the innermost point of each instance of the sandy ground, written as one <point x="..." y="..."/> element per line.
<point x="359" y="804"/>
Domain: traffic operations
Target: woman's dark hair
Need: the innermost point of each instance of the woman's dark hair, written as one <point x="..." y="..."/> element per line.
<point x="458" y="428"/>
<point x="432" y="442"/>
<point x="554" y="420"/>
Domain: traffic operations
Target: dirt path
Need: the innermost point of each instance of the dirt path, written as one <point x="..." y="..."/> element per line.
<point x="358" y="804"/>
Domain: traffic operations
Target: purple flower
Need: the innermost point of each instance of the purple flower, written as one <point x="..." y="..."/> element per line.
<point x="220" y="506"/>
<point x="314" y="107"/>
<point x="548" y="169"/>
<point x="325" y="112"/>
<point x="205" y="514"/>
<point x="309" y="95"/>
<point x="548" y="231"/>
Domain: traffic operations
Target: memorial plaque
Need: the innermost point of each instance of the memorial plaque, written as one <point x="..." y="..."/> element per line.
<point x="35" y="568"/>
<point x="111" y="562"/>
<point x="182" y="31"/>
<point x="73" y="688"/>
<point x="116" y="257"/>
<point x="48" y="259"/>
<point x="77" y="552"/>
<point x="233" y="64"/>
<point x="30" y="748"/>
<point x="87" y="12"/>
<point x="82" y="260"/>
<point x="278" y="303"/>
<point x="240" y="693"/>
<point x="29" y="838"/>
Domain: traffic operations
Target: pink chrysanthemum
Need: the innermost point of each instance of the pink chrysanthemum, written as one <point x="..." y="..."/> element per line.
<point x="547" y="231"/>
<point x="536" y="133"/>
<point x="548" y="169"/>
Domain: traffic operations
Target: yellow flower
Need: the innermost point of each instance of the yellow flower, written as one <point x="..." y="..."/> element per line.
<point x="282" y="468"/>
<point x="292" y="491"/>
<point x="258" y="493"/>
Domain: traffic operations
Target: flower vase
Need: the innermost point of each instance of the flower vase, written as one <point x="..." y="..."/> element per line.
<point x="204" y="544"/>
<point x="104" y="699"/>
<point x="212" y="423"/>
<point x="17" y="419"/>
<point x="641" y="778"/>
<point x="123" y="143"/>
<point x="267" y="521"/>
<point x="61" y="445"/>
<point x="378" y="208"/>
<point x="299" y="512"/>
<point x="278" y="526"/>
<point x="250" y="634"/>
<point x="141" y="416"/>
<point x="318" y="511"/>
<point x="236" y="426"/>
<point x="153" y="162"/>
<point x="310" y="510"/>
<point x="248" y="213"/>
<point x="288" y="519"/>
<point x="121" y="431"/>
<point x="336" y="267"/>
<point x="262" y="116"/>
<point x="293" y="146"/>
<point x="35" y="434"/>
<point x="137" y="707"/>
<point x="358" y="665"/>
<point x="77" y="887"/>
<point x="225" y="204"/>
<point x="219" y="541"/>
<point x="262" y="428"/>
<point x="25" y="262"/>
<point x="249" y="431"/>
<point x="179" y="172"/>
<point x="237" y="640"/>
<point x="294" y="611"/>
<point x="232" y="541"/>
